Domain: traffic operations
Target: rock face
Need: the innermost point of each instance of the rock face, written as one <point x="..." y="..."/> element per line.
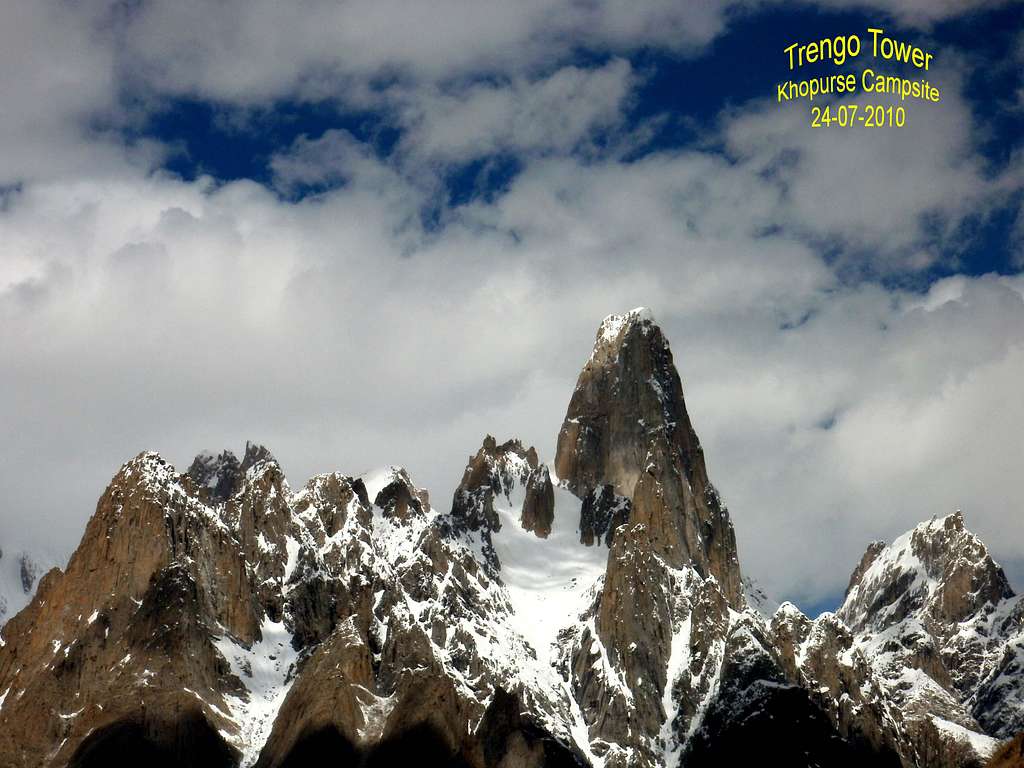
<point x="1009" y="755"/>
<point x="627" y="427"/>
<point x="627" y="448"/>
<point x="496" y="471"/>
<point x="602" y="513"/>
<point x="249" y="630"/>
<point x="221" y="618"/>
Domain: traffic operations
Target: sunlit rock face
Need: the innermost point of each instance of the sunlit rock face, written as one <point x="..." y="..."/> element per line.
<point x="627" y="427"/>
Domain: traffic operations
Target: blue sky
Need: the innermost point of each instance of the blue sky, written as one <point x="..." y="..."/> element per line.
<point x="369" y="233"/>
<point x="677" y="102"/>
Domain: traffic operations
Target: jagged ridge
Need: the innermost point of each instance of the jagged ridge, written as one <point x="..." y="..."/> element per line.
<point x="594" y="615"/>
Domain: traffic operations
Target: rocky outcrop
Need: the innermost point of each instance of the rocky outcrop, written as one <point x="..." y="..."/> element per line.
<point x="501" y="470"/>
<point x="821" y="656"/>
<point x="538" y="503"/>
<point x="123" y="637"/>
<point x="20" y="572"/>
<point x="761" y="714"/>
<point x="216" y="476"/>
<point x="29" y="571"/>
<point x="400" y="499"/>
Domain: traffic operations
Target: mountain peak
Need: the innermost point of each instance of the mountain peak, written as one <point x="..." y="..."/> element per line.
<point x="353" y="611"/>
<point x="613" y="325"/>
<point x="627" y="428"/>
<point x="217" y="473"/>
<point x="256" y="454"/>
<point x="939" y="569"/>
<point x="220" y="476"/>
<point x="398" y="497"/>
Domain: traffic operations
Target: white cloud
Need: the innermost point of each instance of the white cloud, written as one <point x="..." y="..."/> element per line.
<point x="921" y="13"/>
<point x="253" y="51"/>
<point x="152" y="313"/>
<point x="141" y="311"/>
<point x="554" y="113"/>
<point x="58" y="75"/>
<point x="256" y="50"/>
<point x="898" y="195"/>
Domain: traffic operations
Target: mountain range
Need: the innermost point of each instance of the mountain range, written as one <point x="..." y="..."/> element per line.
<point x="590" y="611"/>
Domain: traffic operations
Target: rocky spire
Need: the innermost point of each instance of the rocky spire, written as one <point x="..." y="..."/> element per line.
<point x="400" y="498"/>
<point x="499" y="470"/>
<point x="627" y="427"/>
<point x="218" y="477"/>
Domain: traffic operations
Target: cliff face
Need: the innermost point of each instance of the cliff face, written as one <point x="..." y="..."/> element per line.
<point x="628" y="450"/>
<point x="123" y="636"/>
<point x="626" y="432"/>
<point x="596" y="617"/>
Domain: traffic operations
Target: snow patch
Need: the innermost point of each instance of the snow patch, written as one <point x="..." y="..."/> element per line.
<point x="547" y="580"/>
<point x="377" y="479"/>
<point x="983" y="745"/>
<point x="265" y="671"/>
<point x="612" y="325"/>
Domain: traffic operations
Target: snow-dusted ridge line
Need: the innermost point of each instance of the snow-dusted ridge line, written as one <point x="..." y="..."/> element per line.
<point x="547" y="585"/>
<point x="522" y="655"/>
<point x="529" y="598"/>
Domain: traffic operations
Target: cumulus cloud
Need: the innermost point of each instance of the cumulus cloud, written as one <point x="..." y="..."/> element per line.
<point x="564" y="112"/>
<point x="897" y="197"/>
<point x="179" y="316"/>
<point x="59" y="76"/>
<point x="143" y="311"/>
<point x="252" y="51"/>
<point x="921" y="13"/>
<point x="554" y="113"/>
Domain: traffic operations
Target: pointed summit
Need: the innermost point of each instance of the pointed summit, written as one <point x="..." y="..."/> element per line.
<point x="613" y="326"/>
<point x="220" y="476"/>
<point x="627" y="434"/>
<point x="934" y="601"/>
<point x="619" y="401"/>
<point x="940" y="569"/>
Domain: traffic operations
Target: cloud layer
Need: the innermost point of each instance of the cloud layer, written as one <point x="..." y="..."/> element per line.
<point x="143" y="311"/>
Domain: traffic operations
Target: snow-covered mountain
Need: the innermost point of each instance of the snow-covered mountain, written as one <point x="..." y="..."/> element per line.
<point x="590" y="612"/>
<point x="943" y="630"/>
